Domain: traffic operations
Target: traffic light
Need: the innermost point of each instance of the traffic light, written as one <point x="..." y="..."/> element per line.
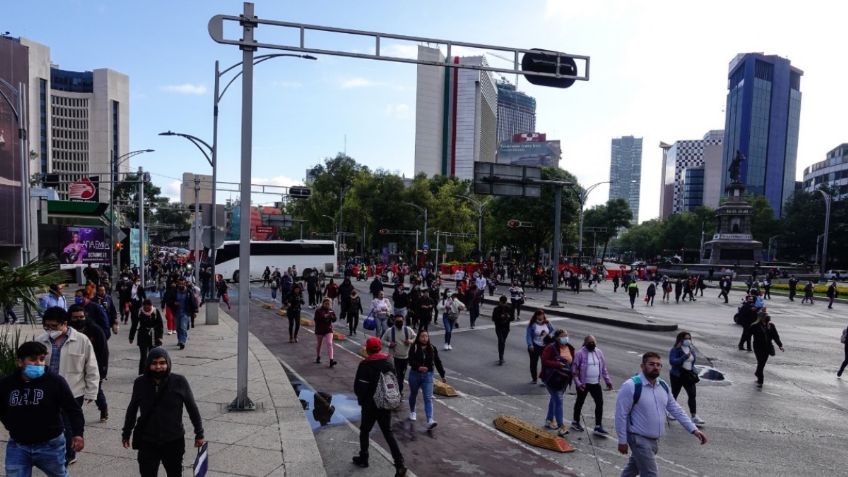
<point x="513" y="223"/>
<point x="300" y="192"/>
<point x="119" y="246"/>
<point x="545" y="61"/>
<point x="383" y="231"/>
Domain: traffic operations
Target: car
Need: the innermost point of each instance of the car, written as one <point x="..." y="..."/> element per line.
<point x="836" y="274"/>
<point x="638" y="264"/>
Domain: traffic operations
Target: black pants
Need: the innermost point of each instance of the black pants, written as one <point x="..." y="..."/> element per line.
<point x="792" y="293"/>
<point x="676" y="384"/>
<point x="845" y="362"/>
<point x="383" y="418"/>
<point x="597" y="395"/>
<point x="746" y="338"/>
<point x="516" y="309"/>
<point x="762" y="358"/>
<point x="312" y="292"/>
<point x="535" y="354"/>
<point x="632" y="299"/>
<point x="723" y="294"/>
<point x="400" y="371"/>
<point x="170" y="454"/>
<point x="70" y="453"/>
<point x="142" y="358"/>
<point x="353" y="320"/>
<point x="502" y="332"/>
<point x="294" y="323"/>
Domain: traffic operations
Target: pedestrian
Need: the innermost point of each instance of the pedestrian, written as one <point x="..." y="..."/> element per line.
<point x="589" y="368"/>
<point x="764" y="332"/>
<point x="766" y="288"/>
<point x="666" y="289"/>
<point x="516" y="295"/>
<point x="294" y="302"/>
<point x="123" y="288"/>
<point x="365" y="386"/>
<point x="683" y="373"/>
<point x="105" y="301"/>
<point x="345" y="289"/>
<point x="424" y="310"/>
<point x="475" y="300"/>
<point x="724" y="287"/>
<point x="633" y="292"/>
<point x="78" y="320"/>
<point x="54" y="297"/>
<point x="537" y="336"/>
<point x="146" y="329"/>
<point x="640" y="417"/>
<point x="423" y="360"/>
<point x="154" y="417"/>
<point x="274" y="285"/>
<point x="450" y="308"/>
<point x="502" y="316"/>
<point x="266" y="276"/>
<point x="381" y="309"/>
<point x="38" y="409"/>
<point x="332" y="290"/>
<point x="747" y="316"/>
<point x="184" y="307"/>
<point x="312" y="288"/>
<point x="557" y="358"/>
<point x="650" y="293"/>
<point x="678" y="289"/>
<point x="400" y="298"/>
<point x="71" y="356"/>
<point x="324" y="318"/>
<point x="354" y="309"/>
<point x="376" y="286"/>
<point x="844" y="340"/>
<point x="793" y="286"/>
<point x="832" y="293"/>
<point x="615" y="283"/>
<point x="808" y="293"/>
<point x="222" y="290"/>
<point x="399" y="339"/>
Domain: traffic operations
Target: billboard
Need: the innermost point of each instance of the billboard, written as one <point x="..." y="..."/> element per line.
<point x="530" y="153"/>
<point x="83" y="246"/>
<point x="135" y="247"/>
<point x="14" y="69"/>
<point x="86" y="189"/>
<point x="204" y="189"/>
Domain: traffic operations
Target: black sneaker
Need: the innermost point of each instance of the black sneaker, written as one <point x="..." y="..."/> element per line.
<point x="400" y="472"/>
<point x="333" y="362"/>
<point x="104" y="415"/>
<point x="359" y="461"/>
<point x="318" y="360"/>
<point x="576" y="426"/>
<point x="182" y="345"/>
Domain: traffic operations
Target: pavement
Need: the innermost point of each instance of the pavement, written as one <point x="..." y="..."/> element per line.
<point x="275" y="440"/>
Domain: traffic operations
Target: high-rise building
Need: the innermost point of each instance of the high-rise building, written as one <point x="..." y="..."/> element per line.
<point x="626" y="172"/>
<point x="684" y="189"/>
<point x="762" y="116"/>
<point x="516" y="112"/>
<point x="455" y="118"/>
<point x="831" y="172"/>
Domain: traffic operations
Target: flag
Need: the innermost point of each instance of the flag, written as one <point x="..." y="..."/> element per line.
<point x="201" y="462"/>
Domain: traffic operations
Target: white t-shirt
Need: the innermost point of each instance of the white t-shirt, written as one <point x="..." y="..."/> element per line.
<point x="538" y="334"/>
<point x="593" y="368"/>
<point x="690" y="360"/>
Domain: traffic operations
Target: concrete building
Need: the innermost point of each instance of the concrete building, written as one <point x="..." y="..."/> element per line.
<point x="516" y="112"/>
<point x="681" y="160"/>
<point x="456" y="116"/>
<point x="831" y="173"/>
<point x="626" y="172"/>
<point x="762" y="117"/>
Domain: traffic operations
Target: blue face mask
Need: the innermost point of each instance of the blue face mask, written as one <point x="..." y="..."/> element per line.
<point x="78" y="300"/>
<point x="563" y="340"/>
<point x="687" y="343"/>
<point x="34" y="371"/>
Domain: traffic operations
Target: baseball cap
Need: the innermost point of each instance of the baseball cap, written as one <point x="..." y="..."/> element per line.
<point x="373" y="345"/>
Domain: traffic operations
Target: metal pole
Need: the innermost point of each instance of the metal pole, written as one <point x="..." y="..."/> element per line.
<point x="141" y="224"/>
<point x="301" y="230"/>
<point x="22" y="139"/>
<point x="425" y="224"/>
<point x="197" y="230"/>
<point x="557" y="234"/>
<point x="112" y="219"/>
<point x="213" y="246"/>
<point x="248" y="23"/>
<point x="580" y="233"/>
<point x="480" y="230"/>
<point x="827" y="199"/>
<point x="438" y="252"/>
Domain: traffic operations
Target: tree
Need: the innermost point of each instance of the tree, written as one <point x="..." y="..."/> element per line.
<point x="643" y="241"/>
<point x="613" y="215"/>
<point x="764" y="224"/>
<point x="19" y="285"/>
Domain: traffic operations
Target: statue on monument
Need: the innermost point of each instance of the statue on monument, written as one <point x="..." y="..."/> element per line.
<point x="734" y="166"/>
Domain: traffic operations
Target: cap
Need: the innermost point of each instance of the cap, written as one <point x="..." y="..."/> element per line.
<point x="373" y="345"/>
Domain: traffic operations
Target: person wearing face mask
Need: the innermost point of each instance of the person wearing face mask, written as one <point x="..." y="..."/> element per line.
<point x="137" y="294"/>
<point x="324" y="318"/>
<point x="54" y="297"/>
<point x="683" y="373"/>
<point x="154" y="421"/>
<point x="183" y="306"/>
<point x="537" y="337"/>
<point x="105" y="301"/>
<point x="147" y="328"/>
<point x="398" y="339"/>
<point x="764" y="332"/>
<point x="71" y="356"/>
<point x="556" y="374"/>
<point x="80" y="322"/>
<point x="33" y="402"/>
<point x="590" y="367"/>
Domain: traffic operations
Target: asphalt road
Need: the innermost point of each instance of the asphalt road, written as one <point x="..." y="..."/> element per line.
<point x="795" y="425"/>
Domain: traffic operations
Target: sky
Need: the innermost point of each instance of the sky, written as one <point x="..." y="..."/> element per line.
<point x="658" y="71"/>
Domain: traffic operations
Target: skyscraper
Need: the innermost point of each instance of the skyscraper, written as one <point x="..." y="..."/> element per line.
<point x="455" y="118"/>
<point x="516" y="112"/>
<point x="762" y="116"/>
<point x="688" y="174"/>
<point x="626" y="172"/>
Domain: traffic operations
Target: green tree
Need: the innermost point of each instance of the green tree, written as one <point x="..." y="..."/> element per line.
<point x="643" y="241"/>
<point x="614" y="215"/>
<point x="19" y="285"/>
<point x="764" y="224"/>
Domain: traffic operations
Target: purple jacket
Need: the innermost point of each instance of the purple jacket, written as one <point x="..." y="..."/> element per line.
<point x="578" y="367"/>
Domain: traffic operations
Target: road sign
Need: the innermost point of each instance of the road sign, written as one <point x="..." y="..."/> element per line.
<point x="449" y="248"/>
<point x="264" y="229"/>
<point x="507" y="180"/>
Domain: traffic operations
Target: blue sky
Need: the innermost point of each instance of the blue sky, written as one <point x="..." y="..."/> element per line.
<point x="659" y="71"/>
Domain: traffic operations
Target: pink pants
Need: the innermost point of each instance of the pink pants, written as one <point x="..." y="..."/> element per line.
<point x="321" y="339"/>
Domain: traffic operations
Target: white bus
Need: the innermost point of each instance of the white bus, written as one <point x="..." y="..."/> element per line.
<point x="303" y="254"/>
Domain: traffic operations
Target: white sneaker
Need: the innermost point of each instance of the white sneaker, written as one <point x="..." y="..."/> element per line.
<point x="446" y="347"/>
<point x="450" y="346"/>
<point x="430" y="424"/>
<point x="412" y="416"/>
<point x="697" y="420"/>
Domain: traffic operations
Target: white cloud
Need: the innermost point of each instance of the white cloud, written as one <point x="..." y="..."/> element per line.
<point x="282" y="181"/>
<point x="350" y="83"/>
<point x="186" y="88"/>
<point x="172" y="190"/>
<point x="400" y="111"/>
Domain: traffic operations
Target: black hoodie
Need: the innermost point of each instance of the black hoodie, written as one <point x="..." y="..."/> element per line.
<point x="30" y="409"/>
<point x="161" y="406"/>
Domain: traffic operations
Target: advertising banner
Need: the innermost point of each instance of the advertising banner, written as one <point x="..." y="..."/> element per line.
<point x="84" y="246"/>
<point x="135" y="247"/>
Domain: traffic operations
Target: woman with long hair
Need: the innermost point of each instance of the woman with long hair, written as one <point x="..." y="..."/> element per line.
<point x="324" y="318"/>
<point x="423" y="359"/>
<point x="683" y="373"/>
<point x="353" y="309"/>
<point x="294" y="301"/>
<point x="537" y="336"/>
<point x="556" y="373"/>
<point x="764" y="332"/>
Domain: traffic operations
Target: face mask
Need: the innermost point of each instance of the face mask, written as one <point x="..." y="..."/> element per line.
<point x="79" y="300"/>
<point x="34" y="371"/>
<point x="399" y="324"/>
<point x="77" y="324"/>
<point x="563" y="340"/>
<point x="687" y="343"/>
<point x="158" y="374"/>
<point x="591" y="346"/>
<point x="54" y="334"/>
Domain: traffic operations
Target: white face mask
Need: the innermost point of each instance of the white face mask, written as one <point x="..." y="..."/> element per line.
<point x="54" y="334"/>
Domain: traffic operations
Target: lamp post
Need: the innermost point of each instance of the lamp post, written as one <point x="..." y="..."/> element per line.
<point x="424" y="211"/>
<point x="480" y="206"/>
<point x="827" y="201"/>
<point x="335" y="229"/>
<point x="116" y="163"/>
<point x="20" y="116"/>
<point x="582" y="195"/>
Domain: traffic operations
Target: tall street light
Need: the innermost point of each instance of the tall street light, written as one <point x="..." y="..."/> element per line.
<point x="424" y="211"/>
<point x="116" y="164"/>
<point x="827" y="201"/>
<point x="480" y="205"/>
<point x="335" y="229"/>
<point x="582" y="195"/>
<point x="20" y="116"/>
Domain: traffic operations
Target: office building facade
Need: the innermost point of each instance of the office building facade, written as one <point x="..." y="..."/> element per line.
<point x="626" y="172"/>
<point x="831" y="173"/>
<point x="681" y="157"/>
<point x="516" y="112"/>
<point x="762" y="117"/>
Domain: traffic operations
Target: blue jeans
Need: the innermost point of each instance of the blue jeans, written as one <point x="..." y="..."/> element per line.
<point x="183" y="321"/>
<point x="48" y="456"/>
<point x="448" y="327"/>
<point x="382" y="325"/>
<point x="555" y="405"/>
<point x="424" y="381"/>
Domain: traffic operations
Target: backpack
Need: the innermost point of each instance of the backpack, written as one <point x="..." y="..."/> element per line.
<point x="844" y="338"/>
<point x="637" y="391"/>
<point x="387" y="394"/>
<point x="405" y="333"/>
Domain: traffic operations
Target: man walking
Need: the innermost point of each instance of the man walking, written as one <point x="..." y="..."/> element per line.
<point x="724" y="286"/>
<point x="80" y="322"/>
<point x="399" y="338"/>
<point x="183" y="306"/>
<point x="832" y="293"/>
<point x="640" y="418"/>
<point x="633" y="291"/>
<point x="793" y="287"/>
<point x="53" y="298"/>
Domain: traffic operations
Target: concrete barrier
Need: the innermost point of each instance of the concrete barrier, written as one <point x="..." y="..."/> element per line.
<point x="531" y="434"/>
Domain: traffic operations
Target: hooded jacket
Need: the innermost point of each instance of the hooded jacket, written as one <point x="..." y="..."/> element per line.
<point x="160" y="406"/>
<point x="367" y="376"/>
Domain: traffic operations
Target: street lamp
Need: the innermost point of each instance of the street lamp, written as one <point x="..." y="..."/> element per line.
<point x="424" y="211"/>
<point x="480" y="205"/>
<point x="827" y="201"/>
<point x="116" y="163"/>
<point x="582" y="195"/>
<point x="20" y="117"/>
<point x="336" y="230"/>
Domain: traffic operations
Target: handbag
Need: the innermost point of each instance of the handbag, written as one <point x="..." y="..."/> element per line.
<point x="689" y="377"/>
<point x="369" y="323"/>
<point x="557" y="378"/>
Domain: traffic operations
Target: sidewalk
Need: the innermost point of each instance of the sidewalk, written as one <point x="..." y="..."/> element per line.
<point x="275" y="440"/>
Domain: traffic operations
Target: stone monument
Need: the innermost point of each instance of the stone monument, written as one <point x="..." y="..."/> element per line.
<point x="733" y="244"/>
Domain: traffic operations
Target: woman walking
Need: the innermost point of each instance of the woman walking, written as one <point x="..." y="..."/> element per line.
<point x="845" y="361"/>
<point x="324" y="318"/>
<point x="556" y="373"/>
<point x="380" y="310"/>
<point x="147" y="329"/>
<point x="650" y="294"/>
<point x="423" y="359"/>
<point x="222" y="292"/>
<point x="294" y="302"/>
<point x="683" y="374"/>
<point x="354" y="308"/>
<point x="450" y="308"/>
<point x="590" y="367"/>
<point x="537" y="336"/>
<point x="516" y="296"/>
<point x="764" y="332"/>
<point x="502" y="316"/>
